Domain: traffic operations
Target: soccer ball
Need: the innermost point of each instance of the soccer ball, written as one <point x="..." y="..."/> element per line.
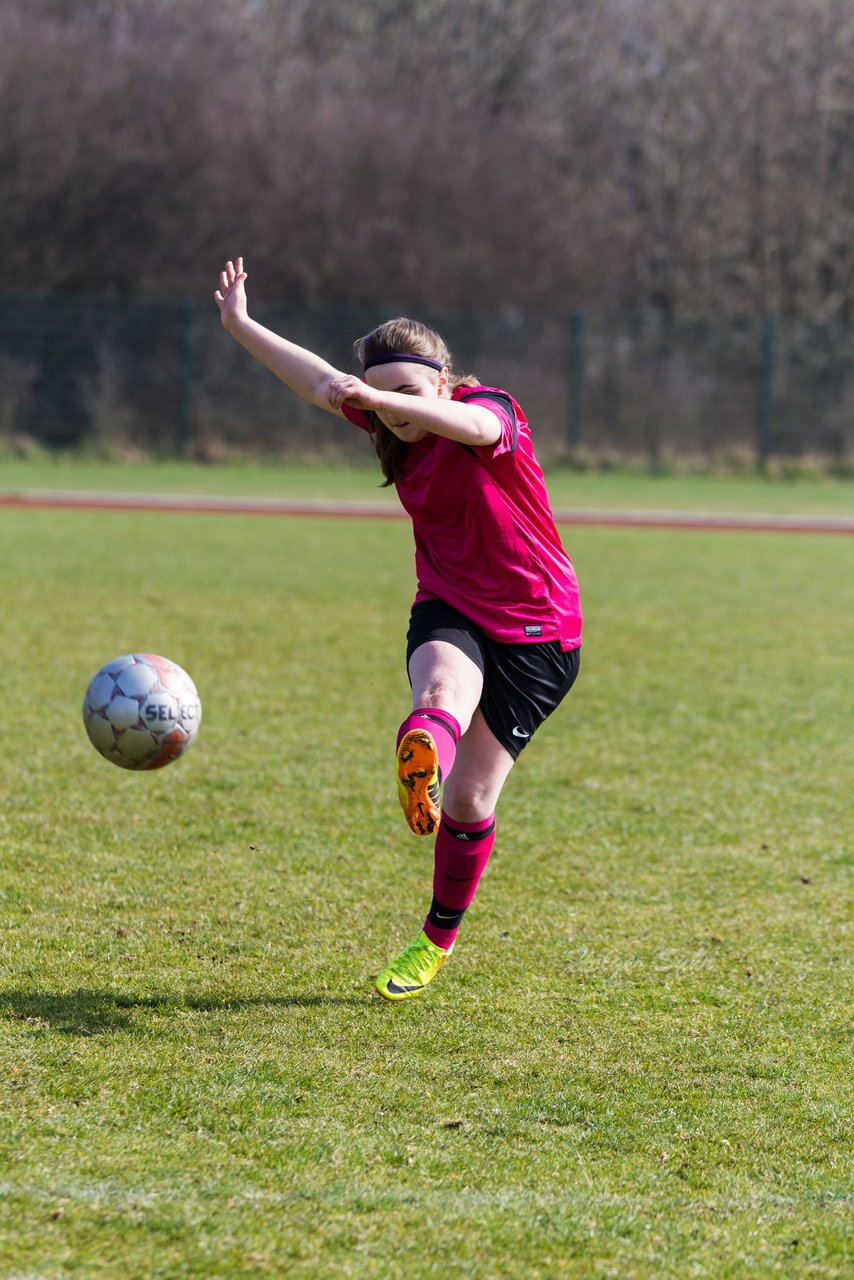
<point x="141" y="711"/>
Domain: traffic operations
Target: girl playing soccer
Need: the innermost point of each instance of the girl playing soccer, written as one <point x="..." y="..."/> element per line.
<point x="495" y="630"/>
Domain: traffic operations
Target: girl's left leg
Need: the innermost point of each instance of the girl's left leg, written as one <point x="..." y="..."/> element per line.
<point x="463" y="844"/>
<point x="466" y="832"/>
<point x="480" y="771"/>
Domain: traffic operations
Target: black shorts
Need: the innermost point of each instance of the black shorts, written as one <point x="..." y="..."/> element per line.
<point x="522" y="683"/>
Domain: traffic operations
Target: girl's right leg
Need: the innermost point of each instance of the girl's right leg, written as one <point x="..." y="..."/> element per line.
<point x="446" y="689"/>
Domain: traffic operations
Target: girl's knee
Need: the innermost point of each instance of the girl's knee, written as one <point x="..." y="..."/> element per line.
<point x="469" y="803"/>
<point x="455" y="697"/>
<point x="469" y="812"/>
<point x="436" y="693"/>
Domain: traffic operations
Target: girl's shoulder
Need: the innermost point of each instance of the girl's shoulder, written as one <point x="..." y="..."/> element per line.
<point x="498" y="395"/>
<point x="506" y="409"/>
<point x="466" y="392"/>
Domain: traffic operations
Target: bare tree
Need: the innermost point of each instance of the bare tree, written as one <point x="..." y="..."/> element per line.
<point x="522" y="153"/>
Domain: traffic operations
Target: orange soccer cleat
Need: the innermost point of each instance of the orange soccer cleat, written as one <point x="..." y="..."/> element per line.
<point x="418" y="780"/>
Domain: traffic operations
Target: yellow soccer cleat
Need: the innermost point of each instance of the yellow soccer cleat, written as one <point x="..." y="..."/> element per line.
<point x="418" y="780"/>
<point x="415" y="967"/>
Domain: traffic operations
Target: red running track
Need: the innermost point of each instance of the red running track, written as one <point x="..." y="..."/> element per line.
<point x="186" y="503"/>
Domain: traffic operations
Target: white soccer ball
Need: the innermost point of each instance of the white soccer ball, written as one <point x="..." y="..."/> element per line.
<point x="141" y="711"/>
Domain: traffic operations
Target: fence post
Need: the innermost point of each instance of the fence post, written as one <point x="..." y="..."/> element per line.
<point x="766" y="391"/>
<point x="188" y="345"/>
<point x="576" y="376"/>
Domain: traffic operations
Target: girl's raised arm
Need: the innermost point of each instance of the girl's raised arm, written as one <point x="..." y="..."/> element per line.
<point x="304" y="372"/>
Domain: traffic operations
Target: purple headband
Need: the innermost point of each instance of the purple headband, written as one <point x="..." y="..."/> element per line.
<point x="403" y="357"/>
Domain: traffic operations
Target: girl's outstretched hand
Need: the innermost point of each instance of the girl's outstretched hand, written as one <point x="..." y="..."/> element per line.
<point x="352" y="389"/>
<point x="230" y="297"/>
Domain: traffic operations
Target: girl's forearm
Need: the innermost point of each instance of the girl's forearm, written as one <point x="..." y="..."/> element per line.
<point x="304" y="372"/>
<point x="470" y="423"/>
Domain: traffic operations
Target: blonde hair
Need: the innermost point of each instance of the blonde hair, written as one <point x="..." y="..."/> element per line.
<point x="409" y="337"/>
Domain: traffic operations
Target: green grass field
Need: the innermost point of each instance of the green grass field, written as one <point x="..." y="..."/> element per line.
<point x="637" y="1063"/>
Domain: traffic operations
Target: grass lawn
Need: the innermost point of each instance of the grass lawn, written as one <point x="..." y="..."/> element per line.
<point x="637" y="1064"/>
<point x="807" y="495"/>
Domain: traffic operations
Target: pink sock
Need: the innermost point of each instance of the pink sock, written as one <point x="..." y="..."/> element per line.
<point x="443" y="729"/>
<point x="460" y="854"/>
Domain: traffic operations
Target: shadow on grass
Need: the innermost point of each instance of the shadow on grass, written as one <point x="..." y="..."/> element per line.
<point x="87" y="1013"/>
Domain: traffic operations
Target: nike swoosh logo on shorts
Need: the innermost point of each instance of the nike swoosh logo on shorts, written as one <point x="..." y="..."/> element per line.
<point x="518" y="733"/>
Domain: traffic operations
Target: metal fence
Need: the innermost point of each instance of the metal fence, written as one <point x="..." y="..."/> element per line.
<point x="160" y="376"/>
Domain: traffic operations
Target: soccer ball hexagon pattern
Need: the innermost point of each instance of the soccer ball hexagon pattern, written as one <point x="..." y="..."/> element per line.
<point x="141" y="711"/>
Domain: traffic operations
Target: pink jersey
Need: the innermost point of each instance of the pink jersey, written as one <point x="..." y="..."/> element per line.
<point x="485" y="537"/>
